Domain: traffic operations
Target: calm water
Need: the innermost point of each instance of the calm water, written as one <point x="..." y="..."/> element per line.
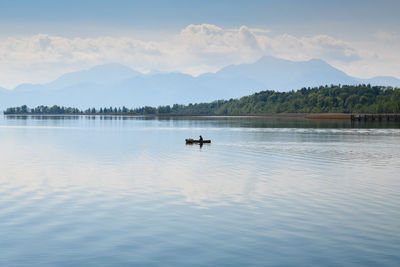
<point x="122" y="191"/>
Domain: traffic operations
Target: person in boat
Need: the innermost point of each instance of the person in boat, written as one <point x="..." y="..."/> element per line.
<point x="200" y="138"/>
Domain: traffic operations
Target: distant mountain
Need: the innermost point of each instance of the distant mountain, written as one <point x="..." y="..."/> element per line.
<point x="382" y="80"/>
<point x="117" y="85"/>
<point x="27" y="87"/>
<point x="282" y="75"/>
<point x="103" y="74"/>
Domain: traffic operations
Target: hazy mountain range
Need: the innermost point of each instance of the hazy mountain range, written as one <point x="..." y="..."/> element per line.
<point x="117" y="85"/>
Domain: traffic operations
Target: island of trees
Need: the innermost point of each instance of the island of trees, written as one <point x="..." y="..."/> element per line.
<point x="323" y="99"/>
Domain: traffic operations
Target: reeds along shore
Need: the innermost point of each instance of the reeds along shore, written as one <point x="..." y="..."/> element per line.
<point x="354" y="117"/>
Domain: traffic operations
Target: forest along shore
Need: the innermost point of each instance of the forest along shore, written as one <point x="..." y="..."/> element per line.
<point x="355" y="117"/>
<point x="325" y="102"/>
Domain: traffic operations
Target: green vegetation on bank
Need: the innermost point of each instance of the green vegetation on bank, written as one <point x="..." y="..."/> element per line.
<point x="323" y="99"/>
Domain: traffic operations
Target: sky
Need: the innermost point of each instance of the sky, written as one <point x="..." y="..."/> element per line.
<point x="42" y="39"/>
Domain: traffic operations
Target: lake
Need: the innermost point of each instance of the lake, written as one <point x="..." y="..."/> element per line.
<point x="122" y="191"/>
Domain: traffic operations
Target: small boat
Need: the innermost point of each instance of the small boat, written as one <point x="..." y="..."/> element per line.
<point x="193" y="141"/>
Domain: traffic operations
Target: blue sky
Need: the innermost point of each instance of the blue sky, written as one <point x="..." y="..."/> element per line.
<point x="347" y="34"/>
<point x="344" y="18"/>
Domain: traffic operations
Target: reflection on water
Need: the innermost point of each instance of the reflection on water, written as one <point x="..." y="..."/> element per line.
<point x="105" y="190"/>
<point x="221" y="121"/>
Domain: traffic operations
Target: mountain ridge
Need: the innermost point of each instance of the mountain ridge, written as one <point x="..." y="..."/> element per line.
<point x="116" y="84"/>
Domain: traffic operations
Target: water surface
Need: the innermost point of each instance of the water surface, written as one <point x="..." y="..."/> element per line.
<point x="115" y="191"/>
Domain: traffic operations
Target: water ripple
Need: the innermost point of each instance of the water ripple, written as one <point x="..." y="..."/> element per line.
<point x="132" y="193"/>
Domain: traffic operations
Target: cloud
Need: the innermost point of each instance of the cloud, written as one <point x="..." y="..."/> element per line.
<point x="201" y="47"/>
<point x="387" y="36"/>
<point x="304" y="48"/>
<point x="195" y="49"/>
<point x="260" y="31"/>
<point x="211" y="40"/>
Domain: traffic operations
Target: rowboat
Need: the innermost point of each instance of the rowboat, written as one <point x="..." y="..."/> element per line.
<point x="193" y="141"/>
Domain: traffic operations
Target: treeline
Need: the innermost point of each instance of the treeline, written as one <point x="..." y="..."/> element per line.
<point x="323" y="99"/>
<point x="54" y="110"/>
<point x="42" y="110"/>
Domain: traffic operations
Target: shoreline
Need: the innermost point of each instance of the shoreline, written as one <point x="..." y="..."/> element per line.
<point x="337" y="116"/>
<point x="168" y="115"/>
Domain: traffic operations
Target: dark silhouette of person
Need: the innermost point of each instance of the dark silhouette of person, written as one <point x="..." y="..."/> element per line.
<point x="201" y="139"/>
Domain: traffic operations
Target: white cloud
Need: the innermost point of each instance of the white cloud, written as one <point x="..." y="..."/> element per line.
<point x="195" y="49"/>
<point x="304" y="48"/>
